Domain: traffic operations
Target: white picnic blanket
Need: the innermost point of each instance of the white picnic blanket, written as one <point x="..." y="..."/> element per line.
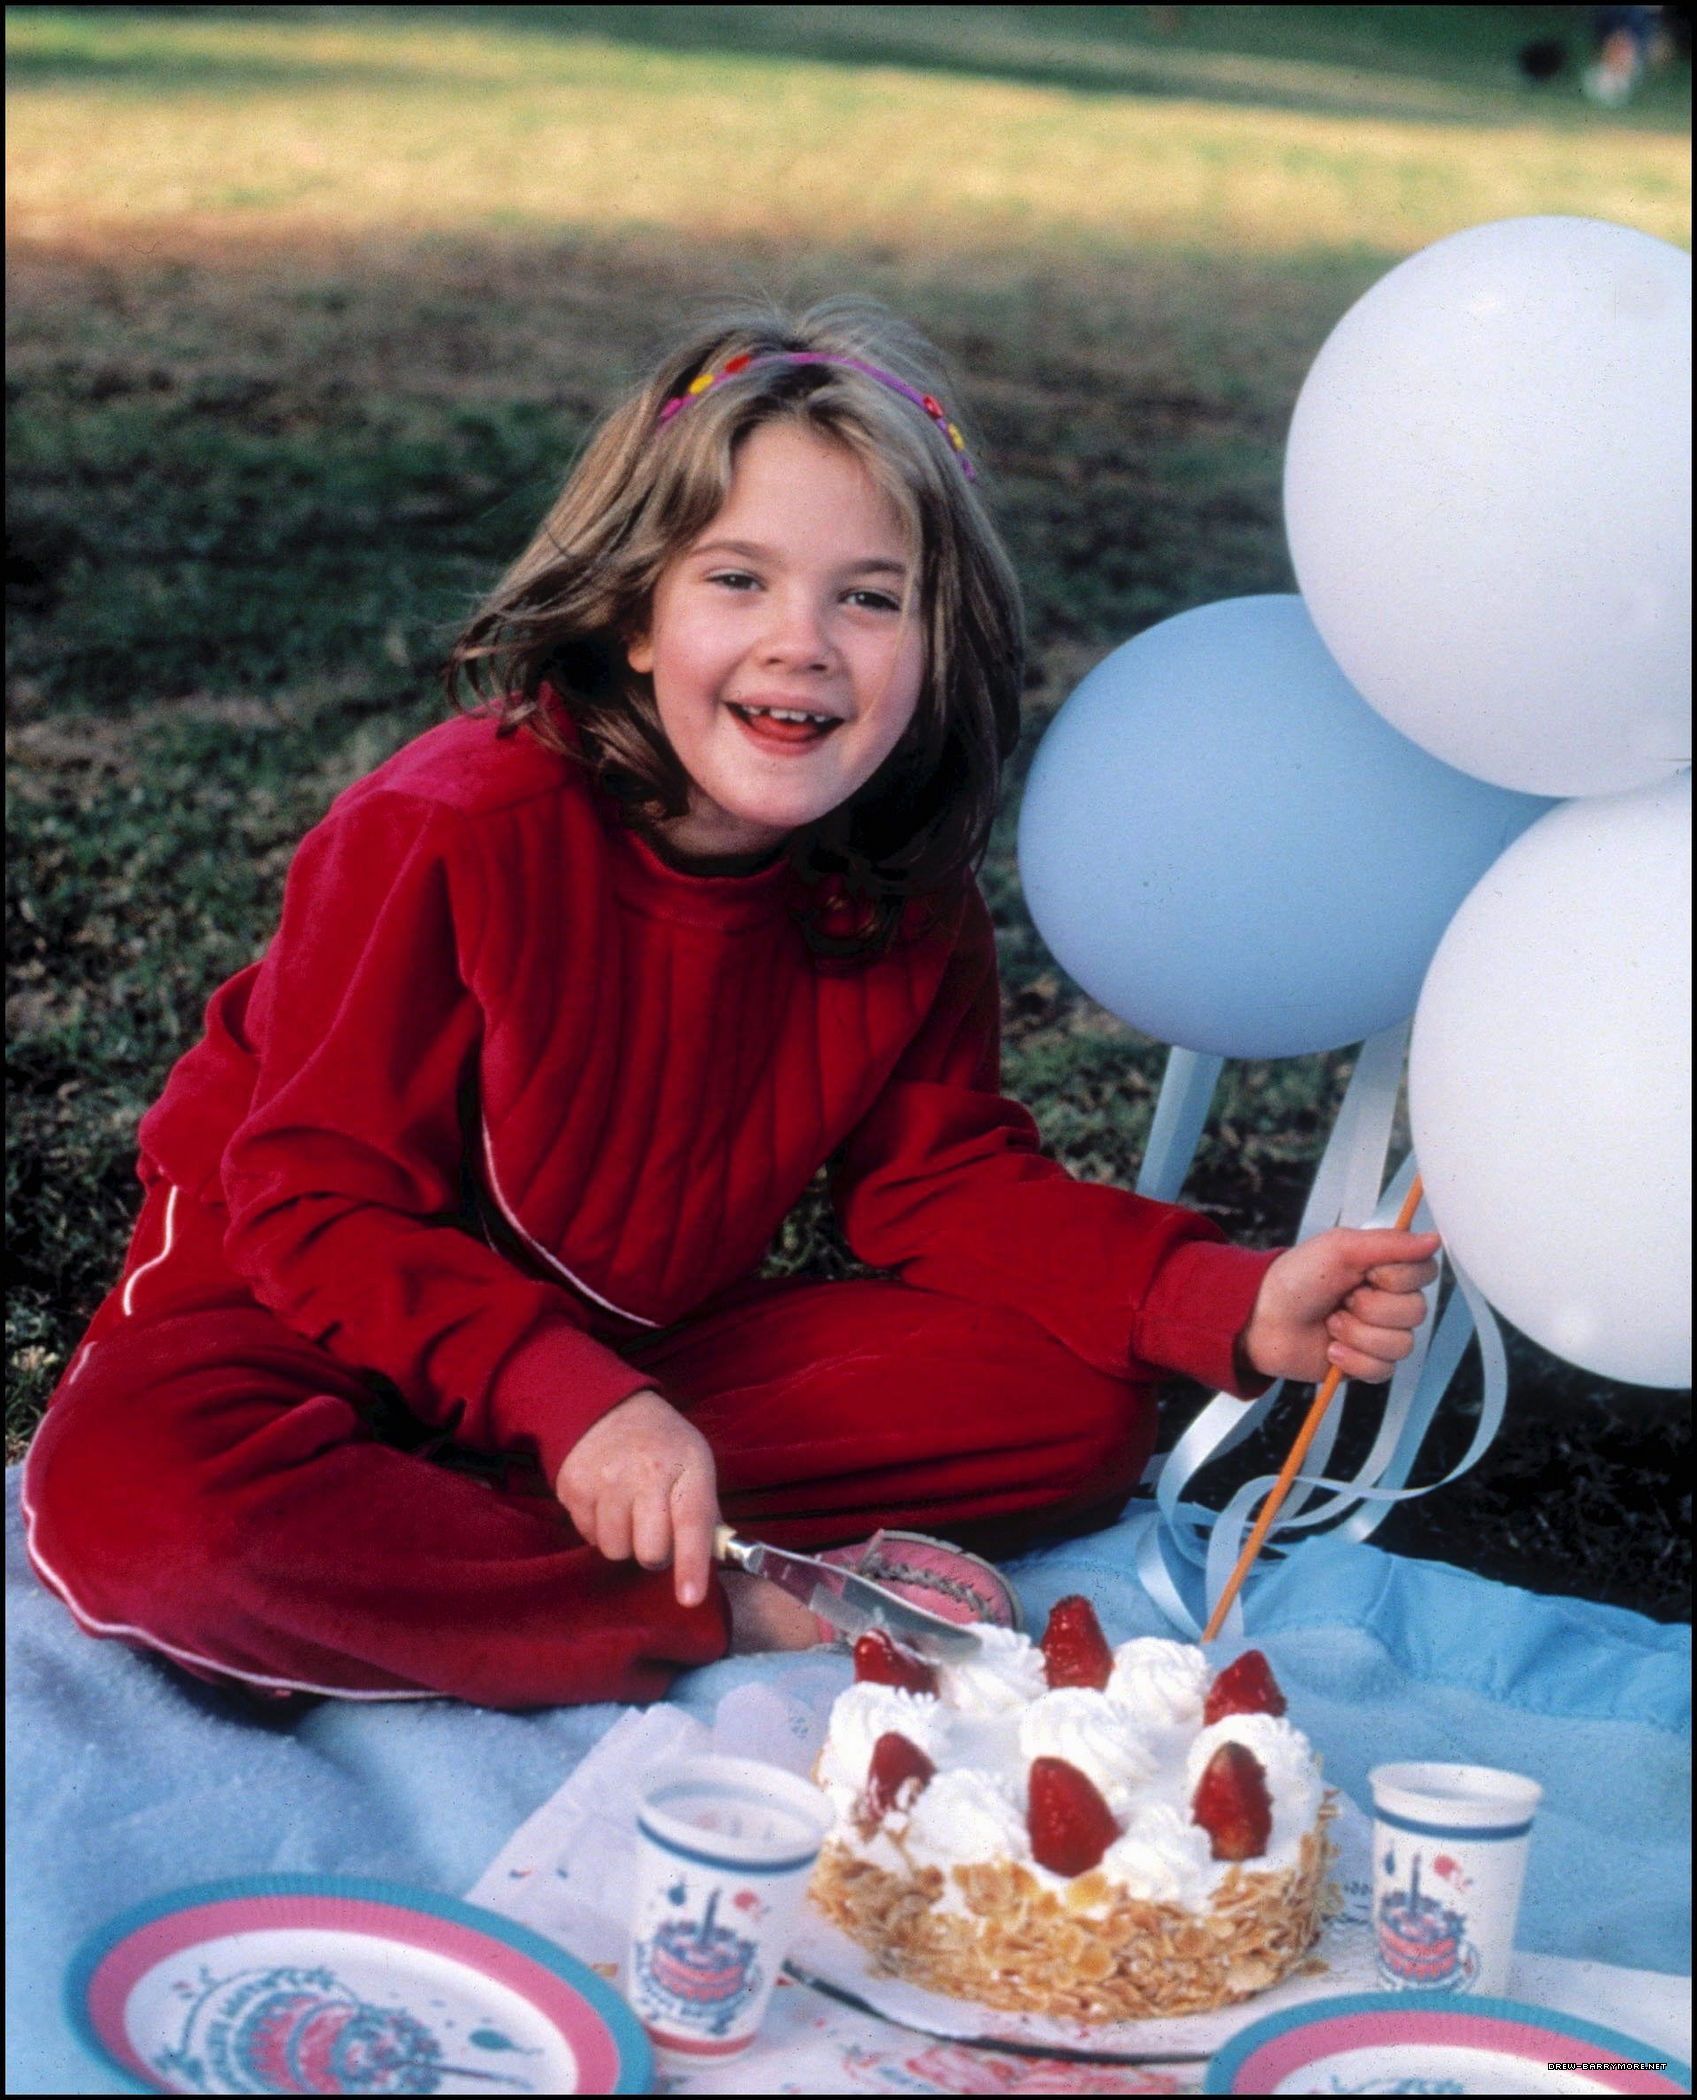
<point x="568" y="1873"/>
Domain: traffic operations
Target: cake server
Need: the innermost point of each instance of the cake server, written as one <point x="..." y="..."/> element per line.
<point x="849" y="1602"/>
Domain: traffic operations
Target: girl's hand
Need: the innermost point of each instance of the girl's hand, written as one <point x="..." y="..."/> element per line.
<point x="1344" y="1298"/>
<point x="641" y="1482"/>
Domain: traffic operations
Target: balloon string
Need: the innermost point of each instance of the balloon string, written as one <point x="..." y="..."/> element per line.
<point x="1293" y="1464"/>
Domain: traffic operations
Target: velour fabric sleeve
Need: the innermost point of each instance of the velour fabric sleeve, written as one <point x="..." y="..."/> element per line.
<point x="343" y="1180"/>
<point x="943" y="1180"/>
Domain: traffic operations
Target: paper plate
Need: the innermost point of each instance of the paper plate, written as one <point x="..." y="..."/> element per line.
<point x="312" y="1983"/>
<point x="1378" y="2043"/>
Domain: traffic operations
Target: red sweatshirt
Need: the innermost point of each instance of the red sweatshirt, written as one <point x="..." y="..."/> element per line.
<point x="487" y="996"/>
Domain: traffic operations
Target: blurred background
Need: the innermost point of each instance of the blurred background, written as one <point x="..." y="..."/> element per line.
<point x="310" y="309"/>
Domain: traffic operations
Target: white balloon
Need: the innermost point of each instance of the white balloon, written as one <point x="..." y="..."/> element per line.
<point x="1549" y="1084"/>
<point x="1488" y="500"/>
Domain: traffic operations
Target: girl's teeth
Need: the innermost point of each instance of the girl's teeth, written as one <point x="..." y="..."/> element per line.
<point x="787" y="714"/>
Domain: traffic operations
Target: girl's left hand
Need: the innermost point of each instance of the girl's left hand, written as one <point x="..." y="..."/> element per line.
<point x="1344" y="1299"/>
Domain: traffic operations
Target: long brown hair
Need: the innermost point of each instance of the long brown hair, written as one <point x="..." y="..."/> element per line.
<point x="554" y="631"/>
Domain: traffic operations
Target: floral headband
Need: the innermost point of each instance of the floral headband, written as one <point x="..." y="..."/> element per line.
<point x="747" y="361"/>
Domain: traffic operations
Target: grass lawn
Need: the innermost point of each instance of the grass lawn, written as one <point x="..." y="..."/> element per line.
<point x="311" y="307"/>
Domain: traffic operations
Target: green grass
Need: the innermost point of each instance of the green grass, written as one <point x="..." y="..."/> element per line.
<point x="306" y="323"/>
<point x="913" y="132"/>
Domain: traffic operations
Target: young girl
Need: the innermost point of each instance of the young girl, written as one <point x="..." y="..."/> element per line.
<point x="569" y="1001"/>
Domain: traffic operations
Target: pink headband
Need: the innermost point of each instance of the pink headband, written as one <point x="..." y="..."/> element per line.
<point x="747" y="361"/>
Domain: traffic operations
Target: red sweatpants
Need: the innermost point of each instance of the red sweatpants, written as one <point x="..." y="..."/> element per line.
<point x="207" y="1483"/>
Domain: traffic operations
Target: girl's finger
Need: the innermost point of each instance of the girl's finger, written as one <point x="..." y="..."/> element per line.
<point x="1387" y="1308"/>
<point x="612" y="1527"/>
<point x="1356" y="1363"/>
<point x="1339" y="1260"/>
<point x="1403" y="1275"/>
<point x="1385" y="1345"/>
<point x="581" y="1516"/>
<point x="695" y="1513"/>
<point x="651" y="1530"/>
<point x="1377" y="1244"/>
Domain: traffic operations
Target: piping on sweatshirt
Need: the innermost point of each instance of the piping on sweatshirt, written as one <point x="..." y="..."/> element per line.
<point x="120" y="1630"/>
<point x="511" y="1218"/>
<point x="507" y="1212"/>
<point x="170" y="1234"/>
<point x="74" y="1369"/>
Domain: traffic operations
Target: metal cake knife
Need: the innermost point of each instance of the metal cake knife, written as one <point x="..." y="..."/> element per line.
<point x="848" y="1602"/>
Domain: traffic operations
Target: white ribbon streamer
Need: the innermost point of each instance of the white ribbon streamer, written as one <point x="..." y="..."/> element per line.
<point x="1181" y="1111"/>
<point x="1186" y="1557"/>
<point x="1363" y="1126"/>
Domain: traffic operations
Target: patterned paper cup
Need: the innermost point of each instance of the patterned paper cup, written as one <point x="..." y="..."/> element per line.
<point x="726" y="1848"/>
<point x="1449" y="1856"/>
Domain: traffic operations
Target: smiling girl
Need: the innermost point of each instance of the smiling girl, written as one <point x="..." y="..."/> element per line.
<point x="569" y="1002"/>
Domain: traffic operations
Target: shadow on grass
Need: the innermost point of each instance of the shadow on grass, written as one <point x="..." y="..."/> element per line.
<point x="1448" y="64"/>
<point x="165" y="69"/>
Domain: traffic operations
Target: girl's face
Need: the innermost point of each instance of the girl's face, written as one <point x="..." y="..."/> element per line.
<point x="784" y="669"/>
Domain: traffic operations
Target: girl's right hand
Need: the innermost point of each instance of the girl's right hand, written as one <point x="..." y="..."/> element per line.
<point x="642" y="1482"/>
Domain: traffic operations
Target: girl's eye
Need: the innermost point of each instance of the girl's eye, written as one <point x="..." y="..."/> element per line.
<point x="734" y="579"/>
<point x="875" y="601"/>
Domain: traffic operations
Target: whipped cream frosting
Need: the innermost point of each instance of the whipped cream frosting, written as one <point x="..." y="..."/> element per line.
<point x="1163" y="1857"/>
<point x="967" y="1816"/>
<point x="864" y="1713"/>
<point x="1004" y="1677"/>
<point x="1096" y="1734"/>
<point x="1162" y="1682"/>
<point x="1141" y="1743"/>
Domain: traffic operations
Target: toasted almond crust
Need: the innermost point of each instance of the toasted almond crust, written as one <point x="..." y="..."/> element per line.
<point x="1020" y="1947"/>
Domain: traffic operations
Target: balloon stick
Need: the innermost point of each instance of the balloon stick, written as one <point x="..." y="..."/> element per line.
<point x="1298" y="1452"/>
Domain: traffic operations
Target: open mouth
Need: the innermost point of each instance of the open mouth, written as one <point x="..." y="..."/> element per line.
<point x="784" y="728"/>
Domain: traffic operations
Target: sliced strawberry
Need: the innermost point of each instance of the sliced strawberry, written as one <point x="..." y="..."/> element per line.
<point x="877" y="1660"/>
<point x="1246" y="1686"/>
<point x="1232" y="1805"/>
<point x="1075" y="1651"/>
<point x="897" y="1765"/>
<point x="1071" y="1825"/>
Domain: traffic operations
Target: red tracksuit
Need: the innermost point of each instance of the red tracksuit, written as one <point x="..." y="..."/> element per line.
<point x="506" y="1117"/>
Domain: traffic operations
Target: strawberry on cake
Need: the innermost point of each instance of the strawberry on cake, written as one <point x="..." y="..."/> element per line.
<point x="1069" y="1828"/>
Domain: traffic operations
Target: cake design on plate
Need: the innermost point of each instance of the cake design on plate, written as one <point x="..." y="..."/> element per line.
<point x="292" y="2029"/>
<point x="1073" y="1829"/>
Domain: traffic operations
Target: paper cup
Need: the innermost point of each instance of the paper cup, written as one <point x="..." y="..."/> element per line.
<point x="725" y="1848"/>
<point x="1449" y="1856"/>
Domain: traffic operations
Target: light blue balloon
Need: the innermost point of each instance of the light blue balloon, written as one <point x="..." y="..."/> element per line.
<point x="1227" y="847"/>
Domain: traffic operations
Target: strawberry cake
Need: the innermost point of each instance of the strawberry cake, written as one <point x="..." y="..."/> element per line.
<point x="1067" y="1828"/>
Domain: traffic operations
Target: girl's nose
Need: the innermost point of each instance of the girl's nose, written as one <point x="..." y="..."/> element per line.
<point x="796" y="637"/>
